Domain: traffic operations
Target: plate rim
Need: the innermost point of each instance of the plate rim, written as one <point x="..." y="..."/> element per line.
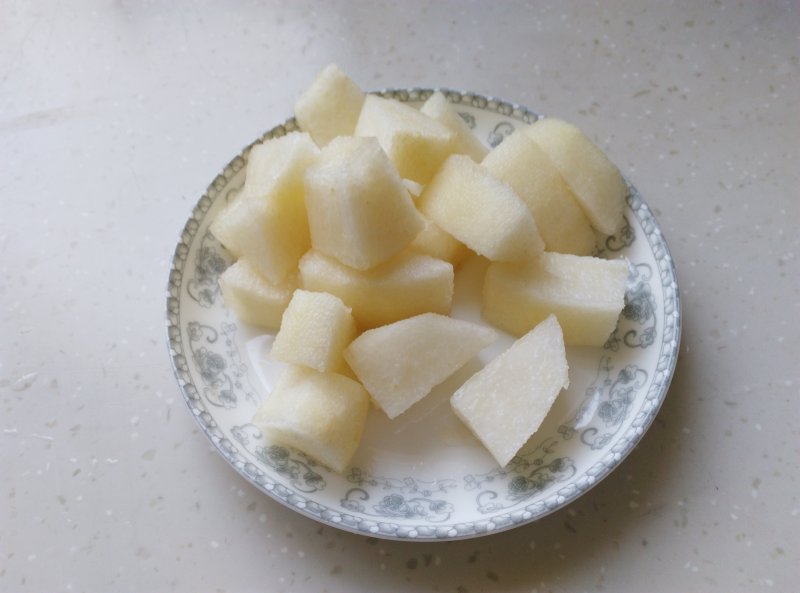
<point x="665" y="364"/>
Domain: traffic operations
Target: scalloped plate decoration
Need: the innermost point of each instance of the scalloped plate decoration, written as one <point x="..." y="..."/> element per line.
<point x="423" y="476"/>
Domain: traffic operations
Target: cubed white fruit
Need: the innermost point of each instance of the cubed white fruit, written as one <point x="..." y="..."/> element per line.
<point x="321" y="414"/>
<point x="401" y="362"/>
<point x="330" y="106"/>
<point x="523" y="165"/>
<point x="594" y="179"/>
<point x="277" y="167"/>
<point x="439" y="108"/>
<point x="434" y="241"/>
<point x="359" y="211"/>
<point x="504" y="403"/>
<point x="315" y="330"/>
<point x="416" y="143"/>
<point x="587" y="295"/>
<point x="252" y="298"/>
<point x="482" y="212"/>
<point x="406" y="285"/>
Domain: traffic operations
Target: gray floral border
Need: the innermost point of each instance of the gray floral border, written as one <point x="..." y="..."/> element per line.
<point x="667" y="359"/>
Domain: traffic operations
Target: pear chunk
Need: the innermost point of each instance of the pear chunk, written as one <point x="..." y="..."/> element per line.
<point x="315" y="330"/>
<point x="524" y="166"/>
<point x="406" y="285"/>
<point x="321" y="414"/>
<point x="252" y="298"/>
<point x="359" y="211"/>
<point x="330" y="106"/>
<point x="400" y="363"/>
<point x="504" y="403"/>
<point x="416" y="143"/>
<point x="587" y="295"/>
<point x="465" y="142"/>
<point x="480" y="211"/>
<point x="594" y="179"/>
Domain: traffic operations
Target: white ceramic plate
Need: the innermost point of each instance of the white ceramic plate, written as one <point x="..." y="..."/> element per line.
<point x="423" y="476"/>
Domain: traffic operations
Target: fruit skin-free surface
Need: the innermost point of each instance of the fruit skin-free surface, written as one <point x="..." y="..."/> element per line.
<point x="504" y="403"/>
<point x="322" y="414"/>
<point x="585" y="293"/>
<point x="315" y="329"/>
<point x="252" y="297"/>
<point x="480" y="211"/>
<point x="407" y="285"/>
<point x="464" y="141"/>
<point x="359" y="210"/>
<point x="400" y="363"/>
<point x="330" y="106"/>
<point x="416" y="143"/>
<point x="519" y="162"/>
<point x="594" y="179"/>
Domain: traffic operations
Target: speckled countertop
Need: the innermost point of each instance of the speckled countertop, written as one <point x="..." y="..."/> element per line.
<point x="114" y="117"/>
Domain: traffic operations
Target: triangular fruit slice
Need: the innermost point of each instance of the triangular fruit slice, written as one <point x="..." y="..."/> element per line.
<point x="400" y="363"/>
<point x="440" y="109"/>
<point x="504" y="403"/>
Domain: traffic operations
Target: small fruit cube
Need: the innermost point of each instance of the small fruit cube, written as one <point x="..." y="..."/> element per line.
<point x="252" y="298"/>
<point x="585" y="293"/>
<point x="330" y="106"/>
<point x="359" y="211"/>
<point x="594" y="179"/>
<point x="416" y="143"/>
<point x="524" y="166"/>
<point x="504" y="403"/>
<point x="406" y="285"/>
<point x="439" y="108"/>
<point x="321" y="414"/>
<point x="315" y="330"/>
<point x="480" y="211"/>
<point x="401" y="362"/>
<point x="278" y="165"/>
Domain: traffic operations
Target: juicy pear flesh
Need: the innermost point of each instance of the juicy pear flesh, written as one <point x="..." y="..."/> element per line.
<point x="252" y="298"/>
<point x="401" y="363"/>
<point x="434" y="241"/>
<point x="465" y="142"/>
<point x="480" y="211"/>
<point x="315" y="329"/>
<point x="594" y="179"/>
<point x="504" y="403"/>
<point x="359" y="210"/>
<point x="519" y="162"/>
<point x="415" y="143"/>
<point x="278" y="166"/>
<point x="587" y="295"/>
<point x="321" y="414"/>
<point x="330" y="106"/>
<point x="406" y="285"/>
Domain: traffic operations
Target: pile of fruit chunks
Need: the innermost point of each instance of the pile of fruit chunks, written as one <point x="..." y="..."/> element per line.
<point x="347" y="235"/>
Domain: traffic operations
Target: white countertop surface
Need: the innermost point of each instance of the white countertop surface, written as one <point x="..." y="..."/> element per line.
<point x="114" y="118"/>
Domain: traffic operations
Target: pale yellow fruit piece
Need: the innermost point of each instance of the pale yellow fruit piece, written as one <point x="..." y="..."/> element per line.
<point x="416" y="143"/>
<point x="434" y="241"/>
<point x="315" y="330"/>
<point x="359" y="211"/>
<point x="401" y="362"/>
<point x="330" y="106"/>
<point x="485" y="214"/>
<point x="439" y="108"/>
<point x="519" y="162"/>
<point x="406" y="285"/>
<point x="505" y="402"/>
<point x="252" y="298"/>
<point x="585" y="293"/>
<point x="593" y="178"/>
<point x="321" y="414"/>
<point x="277" y="167"/>
<point x="271" y="232"/>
